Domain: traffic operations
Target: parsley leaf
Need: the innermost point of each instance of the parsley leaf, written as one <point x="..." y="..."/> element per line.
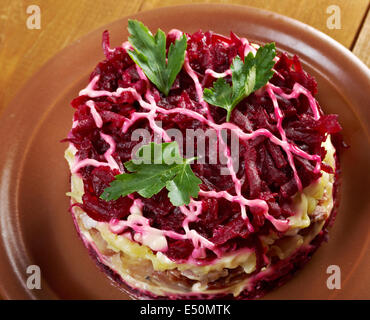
<point x="184" y="185"/>
<point x="154" y="167"/>
<point x="246" y="78"/>
<point x="150" y="55"/>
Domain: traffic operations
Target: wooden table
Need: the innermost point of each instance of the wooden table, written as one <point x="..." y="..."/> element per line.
<point x="24" y="51"/>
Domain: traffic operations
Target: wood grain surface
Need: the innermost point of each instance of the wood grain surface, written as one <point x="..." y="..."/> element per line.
<point x="361" y="47"/>
<point x="24" y="51"/>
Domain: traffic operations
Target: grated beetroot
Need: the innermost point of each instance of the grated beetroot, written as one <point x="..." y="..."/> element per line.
<point x="264" y="169"/>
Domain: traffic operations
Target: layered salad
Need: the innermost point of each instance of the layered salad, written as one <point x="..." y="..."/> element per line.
<point x="202" y="166"/>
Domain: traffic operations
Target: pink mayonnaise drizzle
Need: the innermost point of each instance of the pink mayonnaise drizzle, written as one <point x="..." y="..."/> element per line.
<point x="96" y="116"/>
<point x="155" y="238"/>
<point x="248" y="47"/>
<point x="108" y="154"/>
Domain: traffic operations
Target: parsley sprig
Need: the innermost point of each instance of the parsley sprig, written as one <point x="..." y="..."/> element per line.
<point x="156" y="166"/>
<point x="246" y="78"/>
<point x="150" y="54"/>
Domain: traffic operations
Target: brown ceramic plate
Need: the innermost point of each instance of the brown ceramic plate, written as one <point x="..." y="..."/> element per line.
<point x="36" y="228"/>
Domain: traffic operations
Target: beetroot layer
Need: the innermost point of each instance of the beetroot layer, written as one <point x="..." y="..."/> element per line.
<point x="264" y="167"/>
